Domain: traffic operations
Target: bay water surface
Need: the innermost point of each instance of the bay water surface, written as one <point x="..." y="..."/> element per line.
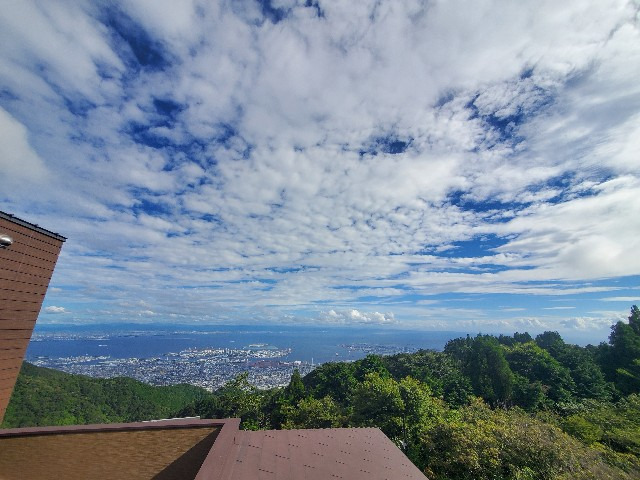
<point x="307" y="344"/>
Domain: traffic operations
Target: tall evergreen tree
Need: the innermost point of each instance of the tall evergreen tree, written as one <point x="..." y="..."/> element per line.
<point x="622" y="362"/>
<point x="295" y="391"/>
<point x="483" y="361"/>
<point x="634" y="319"/>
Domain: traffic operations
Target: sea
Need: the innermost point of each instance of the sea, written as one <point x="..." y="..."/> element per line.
<point x="305" y="343"/>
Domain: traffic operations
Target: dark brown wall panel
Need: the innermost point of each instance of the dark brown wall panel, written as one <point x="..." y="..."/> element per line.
<point x="17" y="295"/>
<point x="21" y="287"/>
<point x="13" y="343"/>
<point x="25" y="271"/>
<point x="25" y="315"/>
<point x="6" y="383"/>
<point x="26" y="302"/>
<point x="6" y="390"/>
<point x="20" y="282"/>
<point x="16" y="363"/>
<point x="14" y="324"/>
<point x="32" y="245"/>
<point x="9" y="373"/>
<point x="7" y="355"/>
<point x="29" y="233"/>
<point x="6" y="373"/>
<point x="6" y="386"/>
<point x="17" y="266"/>
<point x="11" y="334"/>
<point x="5" y="396"/>
<point x="28" y="255"/>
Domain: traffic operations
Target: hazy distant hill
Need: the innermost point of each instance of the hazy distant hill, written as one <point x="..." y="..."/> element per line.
<point x="48" y="397"/>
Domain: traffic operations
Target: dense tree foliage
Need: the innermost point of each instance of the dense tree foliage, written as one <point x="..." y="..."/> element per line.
<point x="507" y="407"/>
<point x="334" y="379"/>
<point x="441" y="373"/>
<point x="538" y="367"/>
<point x="479" y="443"/>
<point x="483" y="361"/>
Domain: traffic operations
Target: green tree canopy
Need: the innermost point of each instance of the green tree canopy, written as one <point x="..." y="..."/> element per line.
<point x="332" y="379"/>
<point x="622" y="360"/>
<point x="377" y="403"/>
<point x="370" y="364"/>
<point x="483" y="362"/>
<point x="295" y="391"/>
<point x="538" y="366"/>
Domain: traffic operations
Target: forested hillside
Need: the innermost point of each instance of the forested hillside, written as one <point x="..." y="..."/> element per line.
<point x="506" y="407"/>
<point x="48" y="397"/>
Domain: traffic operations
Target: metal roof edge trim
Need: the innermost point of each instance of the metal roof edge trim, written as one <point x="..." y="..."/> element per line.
<point x="32" y="226"/>
<point x="213" y="467"/>
<point x="114" y="427"/>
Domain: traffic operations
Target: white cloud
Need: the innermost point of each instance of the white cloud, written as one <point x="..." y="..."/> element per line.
<point x="19" y="163"/>
<point x="586" y="323"/>
<point x="54" y="309"/>
<point x="621" y="299"/>
<point x="358" y="317"/>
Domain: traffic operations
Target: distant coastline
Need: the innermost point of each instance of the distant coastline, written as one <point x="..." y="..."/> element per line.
<point x="208" y="356"/>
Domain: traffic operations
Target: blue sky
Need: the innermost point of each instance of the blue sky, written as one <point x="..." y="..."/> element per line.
<point x="468" y="166"/>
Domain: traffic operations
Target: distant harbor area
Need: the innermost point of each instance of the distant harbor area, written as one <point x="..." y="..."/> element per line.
<point x="209" y="359"/>
<point x="209" y="368"/>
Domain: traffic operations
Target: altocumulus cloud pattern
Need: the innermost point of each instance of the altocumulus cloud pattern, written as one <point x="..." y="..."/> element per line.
<point x="446" y="165"/>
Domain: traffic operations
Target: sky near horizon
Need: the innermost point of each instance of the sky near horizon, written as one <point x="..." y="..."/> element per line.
<point x="447" y="165"/>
